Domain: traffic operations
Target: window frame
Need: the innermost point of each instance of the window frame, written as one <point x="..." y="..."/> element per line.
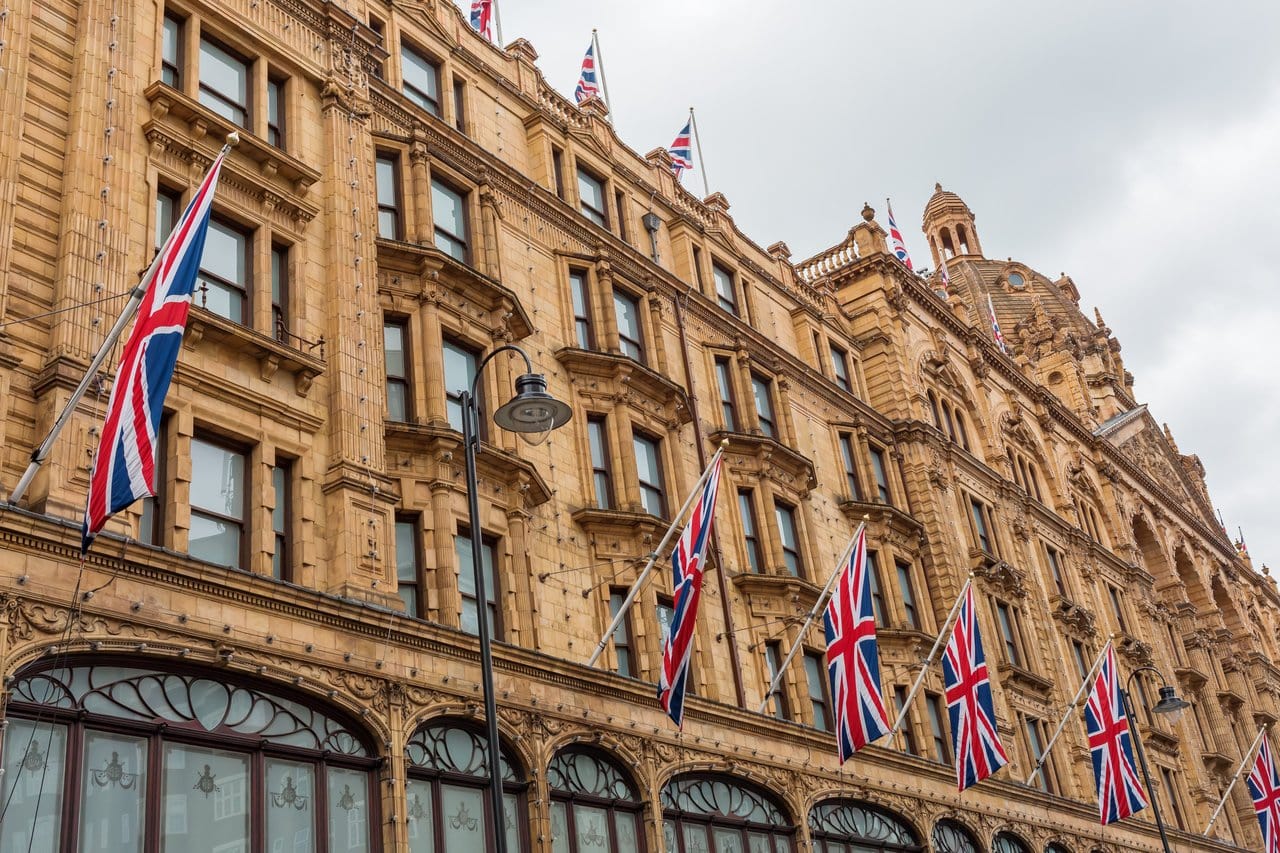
<point x="412" y="521"/>
<point x="908" y="730"/>
<point x="848" y="443"/>
<point x="282" y="527"/>
<point x="243" y="290"/>
<point x="597" y="424"/>
<point x="907" y="592"/>
<point x="633" y="347"/>
<point x="751" y="531"/>
<point x="723" y="368"/>
<point x="415" y="94"/>
<point x="171" y="68"/>
<point x="203" y="88"/>
<point x="453" y="397"/>
<point x="879" y="606"/>
<point x="793" y="557"/>
<point x="762" y="398"/>
<point x="444" y="187"/>
<point x="215" y="440"/>
<point x="729" y="301"/>
<point x="1053" y="558"/>
<point x="840" y="371"/>
<point x="1009" y="623"/>
<point x="584" y="333"/>
<point x="600" y="216"/>
<point x="493" y="591"/>
<point x="395" y="205"/>
<point x="277" y="123"/>
<point x="936" y="708"/>
<point x="880" y="474"/>
<point x="281" y="267"/>
<point x="645" y="487"/>
<point x="819" y="699"/>
<point x="982" y="526"/>
<point x="625" y="650"/>
<point x="405" y="381"/>
<point x="1033" y="732"/>
<point x="773" y="662"/>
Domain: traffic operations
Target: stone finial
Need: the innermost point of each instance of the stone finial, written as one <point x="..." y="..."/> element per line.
<point x="937" y="187"/>
<point x="868" y="212"/>
<point x="779" y="250"/>
<point x="523" y="49"/>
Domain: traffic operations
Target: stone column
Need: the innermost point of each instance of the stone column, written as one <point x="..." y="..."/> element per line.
<point x="418" y="229"/>
<point x="444" y="601"/>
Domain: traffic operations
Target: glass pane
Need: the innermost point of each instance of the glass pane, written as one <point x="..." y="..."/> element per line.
<point x="511" y="815"/>
<point x="421" y="825"/>
<point x="397" y="401"/>
<point x="669" y="835"/>
<point x="695" y="839"/>
<point x="447" y="210"/>
<point x="387" y="226"/>
<point x="273" y="102"/>
<point x="221" y="299"/>
<point x="217" y="479"/>
<point x="596" y="439"/>
<point x="169" y="41"/>
<point x="214" y="540"/>
<point x="406" y="551"/>
<point x="224" y="252"/>
<point x="559" y="828"/>
<point x="34" y="763"/>
<point x="165" y="213"/>
<point x="112" y="789"/>
<point x="206" y="799"/>
<point x="279" y="483"/>
<point x="628" y="833"/>
<point x="592" y="827"/>
<point x="628" y="314"/>
<point x="463" y="818"/>
<point x="421" y="75"/>
<point x="348" y="811"/>
<point x="223" y="73"/>
<point x="393" y="349"/>
<point x="728" y="841"/>
<point x="590" y="190"/>
<point x="290" y="805"/>
<point x="647" y="460"/>
<point x="459" y="370"/>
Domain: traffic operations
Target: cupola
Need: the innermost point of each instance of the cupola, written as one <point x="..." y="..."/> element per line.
<point x="948" y="225"/>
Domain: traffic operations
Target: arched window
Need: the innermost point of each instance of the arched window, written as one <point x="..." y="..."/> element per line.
<point x="842" y="826"/>
<point x="951" y="837"/>
<point x="594" y="805"/>
<point x="1055" y="847"/>
<point x="448" y="792"/>
<point x="702" y="813"/>
<point x="1007" y="842"/>
<point x="100" y="756"/>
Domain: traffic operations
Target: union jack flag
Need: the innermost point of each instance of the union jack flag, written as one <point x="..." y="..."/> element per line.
<point x="995" y="326"/>
<point x="853" y="660"/>
<point x="482" y="18"/>
<point x="1264" y="787"/>
<point x="895" y="237"/>
<point x="686" y="560"/>
<point x="1120" y="793"/>
<point x="979" y="752"/>
<point x="125" y="466"/>
<point x="943" y="283"/>
<point x="588" y="83"/>
<point x="681" y="150"/>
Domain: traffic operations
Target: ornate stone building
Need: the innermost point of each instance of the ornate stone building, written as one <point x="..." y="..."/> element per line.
<point x="278" y="651"/>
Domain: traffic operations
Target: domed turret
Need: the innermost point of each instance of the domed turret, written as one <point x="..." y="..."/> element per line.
<point x="948" y="225"/>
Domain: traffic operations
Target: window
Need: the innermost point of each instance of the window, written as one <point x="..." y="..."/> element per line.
<point x="1077" y="654"/>
<point x="224" y="271"/>
<point x="815" y="672"/>
<point x="881" y="474"/>
<point x="409" y="564"/>
<point x="581" y="309"/>
<point x="1009" y="631"/>
<point x="724" y="385"/>
<point x="459" y="373"/>
<point x="849" y="826"/>
<point x="949" y="419"/>
<point x="151" y="514"/>
<point x="601" y="475"/>
<point x="557" y="170"/>
<point x="620" y="205"/>
<point x="1024" y="472"/>
<point x="1007" y="842"/>
<point x="840" y="368"/>
<point x="697" y="268"/>
<point x="950" y="837"/>
<point x="1054" y="559"/>
<point x="981" y="527"/>
<point x="665" y="611"/>
<point x="395" y="355"/>
<point x="849" y="456"/>
<point x="281" y="515"/>
<point x="591" y="198"/>
<point x="168" y="206"/>
<point x="380" y="30"/>
<point x="388" y="188"/>
<point x="622" y="634"/>
<point x="773" y="657"/>
<point x="279" y="290"/>
<point x="747" y="510"/>
<point x="937" y="727"/>
<point x="701" y="813"/>
<point x="878" y="609"/>
<point x="469" y="618"/>
<point x="1117" y="607"/>
<point x="421" y="79"/>
<point x="908" y="731"/>
<point x="908" y="594"/>
<point x="1088" y="519"/>
<point x="787" y="532"/>
<point x="594" y="805"/>
<point x="762" y="391"/>
<point x="449" y="219"/>
<point x="224" y="83"/>
<point x="626" y="310"/>
<point x="726" y="293"/>
<point x="1175" y="802"/>
<point x="171" y="52"/>
<point x="218" y="490"/>
<point x="1035" y="747"/>
<point x="459" y="104"/>
<point x="275" y="112"/>
<point x="649" y="473"/>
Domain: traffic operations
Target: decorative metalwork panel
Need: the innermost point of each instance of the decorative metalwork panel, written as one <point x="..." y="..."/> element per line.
<point x="850" y="821"/>
<point x="137" y="694"/>
<point x="1006" y="843"/>
<point x="449" y="748"/>
<point x="719" y="796"/>
<point x="577" y="772"/>
<point x="950" y="837"/>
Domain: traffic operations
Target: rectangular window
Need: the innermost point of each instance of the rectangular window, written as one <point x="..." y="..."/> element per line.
<point x="459" y="373"/>
<point x="815" y="667"/>
<point x="938" y="727"/>
<point x="224" y="83"/>
<point x="649" y="472"/>
<point x="601" y="476"/>
<point x="877" y="592"/>
<point x="1175" y="802"/>
<point x="449" y="219"/>
<point x="626" y="310"/>
<point x="908" y="731"/>
<point x="747" y="511"/>
<point x="724" y="385"/>
<point x="591" y="197"/>
<point x="151" y="518"/>
<point x="726" y="293"/>
<point x="773" y="657"/>
<point x="168" y="206"/>
<point x="409" y="566"/>
<point x="1008" y="619"/>
<point x="908" y="594"/>
<point x="557" y="170"/>
<point x="840" y="368"/>
<point x="581" y="309"/>
<point x="459" y="104"/>
<point x="387" y="183"/>
<point x="281" y="513"/>
<point x="1117" y="607"/>
<point x="224" y="271"/>
<point x="790" y="537"/>
<point x="421" y="79"/>
<point x="1035" y="744"/>
<point x="218" y="490"/>
<point x="1077" y="654"/>
<point x="621" y="634"/>
<point x="279" y="290"/>
<point x="171" y="52"/>
<point x="849" y="456"/>
<point x="762" y="391"/>
<point x="379" y="29"/>
<point x="980" y="529"/>
<point x="395" y="337"/>
<point x="880" y="473"/>
<point x="1055" y="569"/>
<point x="697" y="268"/>
<point x="469" y="618"/>
<point x="620" y="206"/>
<point x="275" y="112"/>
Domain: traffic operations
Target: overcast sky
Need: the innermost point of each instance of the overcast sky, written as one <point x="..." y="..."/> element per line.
<point x="1132" y="145"/>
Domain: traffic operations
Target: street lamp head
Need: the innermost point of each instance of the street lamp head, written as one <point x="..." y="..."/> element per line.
<point x="532" y="409"/>
<point x="1170" y="704"/>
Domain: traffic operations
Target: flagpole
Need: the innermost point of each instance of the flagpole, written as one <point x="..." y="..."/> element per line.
<point x="41" y="454"/>
<point x="653" y="557"/>
<point x="928" y="662"/>
<point x="817" y="605"/>
<point x="604" y="81"/>
<point x="1227" y="793"/>
<point x="1084" y="686"/>
<point x="497" y="20"/>
<point x="702" y="164"/>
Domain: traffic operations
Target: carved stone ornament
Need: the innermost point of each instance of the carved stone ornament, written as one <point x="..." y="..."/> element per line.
<point x="1077" y="620"/>
<point x="1135" y="651"/>
<point x="1003" y="577"/>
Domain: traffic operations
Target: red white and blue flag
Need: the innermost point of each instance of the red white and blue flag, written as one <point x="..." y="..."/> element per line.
<point x="588" y="81"/>
<point x="681" y="150"/>
<point x="895" y="237"/>
<point x="125" y="468"/>
<point x="1120" y="792"/>
<point x="686" y="559"/>
<point x="1264" y="788"/>
<point x="995" y="326"/>
<point x="853" y="659"/>
<point x="944" y="281"/>
<point x="482" y="18"/>
<point x="978" y="750"/>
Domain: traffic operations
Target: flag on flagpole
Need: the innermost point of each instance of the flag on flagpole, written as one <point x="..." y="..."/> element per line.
<point x="588" y="80"/>
<point x="482" y="18"/>
<point x="124" y="469"/>
<point x="681" y="150"/>
<point x="1264" y="788"/>
<point x="895" y="237"/>
<point x="686" y="560"/>
<point x="853" y="658"/>
<point x="1120" y="792"/>
<point x="995" y="326"/>
<point x="943" y="284"/>
<point x="978" y="750"/>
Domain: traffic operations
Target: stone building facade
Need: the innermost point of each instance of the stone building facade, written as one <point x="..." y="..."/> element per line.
<point x="278" y="652"/>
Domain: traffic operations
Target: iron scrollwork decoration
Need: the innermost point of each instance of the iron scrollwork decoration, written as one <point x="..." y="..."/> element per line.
<point x="449" y="748"/>
<point x="705" y="796"/>
<point x="849" y="820"/>
<point x="113" y="774"/>
<point x="205" y="784"/>
<point x="288" y="797"/>
<point x="578" y="772"/>
<point x="1008" y="843"/>
<point x="950" y="837"/>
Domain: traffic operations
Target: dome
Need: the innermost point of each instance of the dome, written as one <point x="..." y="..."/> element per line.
<point x="943" y="202"/>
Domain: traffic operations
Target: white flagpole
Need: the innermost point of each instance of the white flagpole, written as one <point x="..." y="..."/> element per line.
<point x="817" y="605"/>
<point x="928" y="662"/>
<point x="41" y="453"/>
<point x="702" y="164"/>
<point x="604" y="81"/>
<point x="1084" y="686"/>
<point x="1243" y="763"/>
<point x="497" y="20"/>
<point x="653" y="557"/>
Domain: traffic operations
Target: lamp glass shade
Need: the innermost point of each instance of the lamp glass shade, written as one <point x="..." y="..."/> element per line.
<point x="1170" y="705"/>
<point x="532" y="409"/>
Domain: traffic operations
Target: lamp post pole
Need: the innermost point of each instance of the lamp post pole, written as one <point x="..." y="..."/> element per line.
<point x="1142" y="755"/>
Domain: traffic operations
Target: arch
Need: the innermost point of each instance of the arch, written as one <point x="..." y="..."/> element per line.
<point x="702" y="809"/>
<point x="1230" y="612"/>
<point x="1056" y="847"/>
<point x="1191" y="579"/>
<point x="1007" y="842"/>
<point x="453" y="746"/>
<point x="962" y="237"/>
<point x="838" y="822"/>
<point x="1153" y="556"/>
<point x="595" y="803"/>
<point x="951" y="836"/>
<point x="948" y="245"/>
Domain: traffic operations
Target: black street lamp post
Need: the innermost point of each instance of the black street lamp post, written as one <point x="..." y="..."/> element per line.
<point x="532" y="410"/>
<point x="1169" y="704"/>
